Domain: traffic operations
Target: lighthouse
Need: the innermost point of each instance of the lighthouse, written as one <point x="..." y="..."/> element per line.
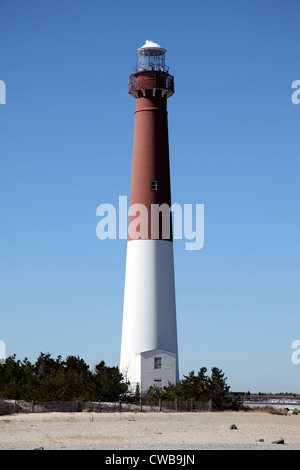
<point x="149" y="352"/>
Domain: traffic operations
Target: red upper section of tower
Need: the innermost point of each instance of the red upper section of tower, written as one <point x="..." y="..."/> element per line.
<point x="151" y="84"/>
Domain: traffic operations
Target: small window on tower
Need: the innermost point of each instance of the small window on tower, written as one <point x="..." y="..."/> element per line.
<point x="153" y="185"/>
<point x="157" y="362"/>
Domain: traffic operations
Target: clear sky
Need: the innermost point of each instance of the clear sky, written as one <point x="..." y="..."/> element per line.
<point x="66" y="146"/>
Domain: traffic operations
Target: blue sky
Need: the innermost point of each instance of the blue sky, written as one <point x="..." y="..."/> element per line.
<point x="66" y="147"/>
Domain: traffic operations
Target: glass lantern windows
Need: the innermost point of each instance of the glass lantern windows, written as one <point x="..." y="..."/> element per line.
<point x="151" y="60"/>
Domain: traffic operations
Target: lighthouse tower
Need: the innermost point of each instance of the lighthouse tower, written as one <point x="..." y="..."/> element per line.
<point x="149" y="353"/>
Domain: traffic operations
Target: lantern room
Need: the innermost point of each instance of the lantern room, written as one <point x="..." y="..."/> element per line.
<point x="151" y="73"/>
<point x="151" y="56"/>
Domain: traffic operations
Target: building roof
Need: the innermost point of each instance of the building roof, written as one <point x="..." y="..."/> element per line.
<point x="151" y="46"/>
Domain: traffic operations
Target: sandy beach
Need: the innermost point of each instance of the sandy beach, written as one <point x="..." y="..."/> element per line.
<point x="149" y="431"/>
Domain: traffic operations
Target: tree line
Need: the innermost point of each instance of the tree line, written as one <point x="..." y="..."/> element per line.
<point x="50" y="379"/>
<point x="199" y="387"/>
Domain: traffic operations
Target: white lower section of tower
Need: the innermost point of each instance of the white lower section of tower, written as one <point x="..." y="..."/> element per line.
<point x="149" y="353"/>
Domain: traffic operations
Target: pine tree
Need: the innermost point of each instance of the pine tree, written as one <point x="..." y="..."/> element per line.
<point x="219" y="390"/>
